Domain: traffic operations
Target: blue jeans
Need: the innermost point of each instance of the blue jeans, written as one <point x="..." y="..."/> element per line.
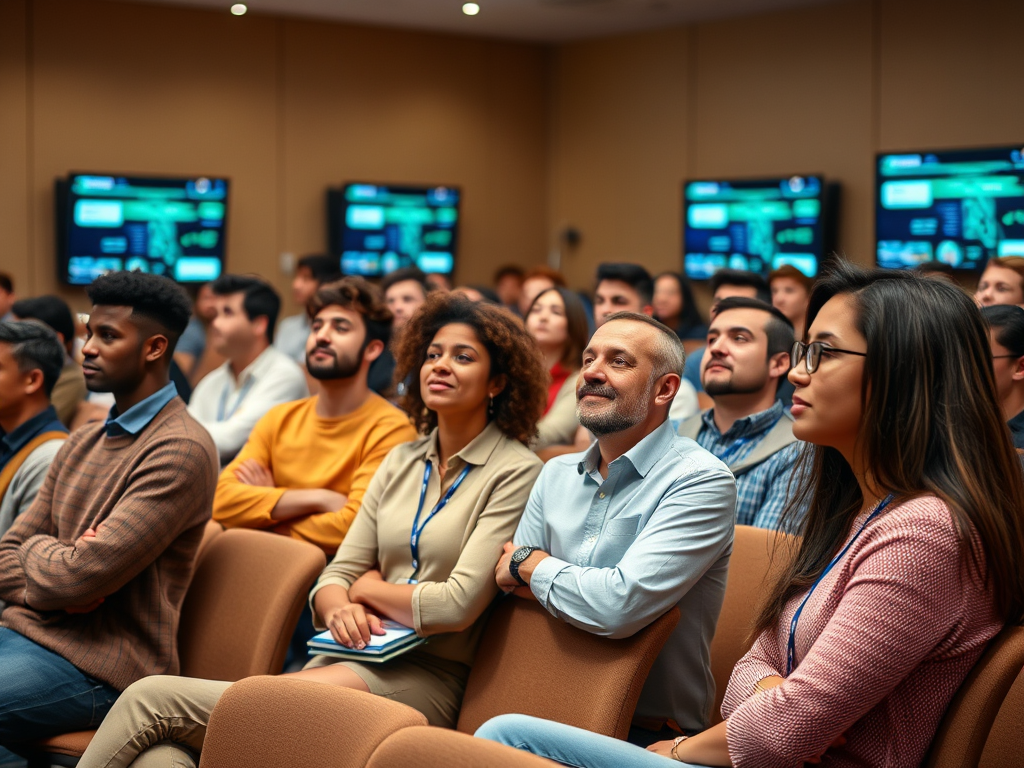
<point x="43" y="694"/>
<point x="571" y="746"/>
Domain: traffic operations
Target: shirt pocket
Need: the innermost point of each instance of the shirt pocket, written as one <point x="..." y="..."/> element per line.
<point x="623" y="526"/>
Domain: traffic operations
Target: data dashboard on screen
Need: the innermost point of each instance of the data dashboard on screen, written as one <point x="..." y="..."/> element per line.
<point x="753" y="225"/>
<point x="959" y="207"/>
<point x="376" y="229"/>
<point x="167" y="226"/>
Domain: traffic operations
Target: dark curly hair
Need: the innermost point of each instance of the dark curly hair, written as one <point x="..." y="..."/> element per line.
<point x="514" y="354"/>
<point x="153" y="297"/>
<point x="357" y="295"/>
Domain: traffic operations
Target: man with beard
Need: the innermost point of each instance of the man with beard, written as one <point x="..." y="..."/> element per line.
<point x="613" y="537"/>
<point x="306" y="465"/>
<point x="746" y="358"/>
<point x="255" y="377"/>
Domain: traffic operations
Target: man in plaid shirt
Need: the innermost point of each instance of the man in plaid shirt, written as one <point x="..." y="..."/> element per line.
<point x="748" y="429"/>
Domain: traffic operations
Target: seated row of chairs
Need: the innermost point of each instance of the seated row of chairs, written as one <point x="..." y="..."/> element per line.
<point x="249" y="589"/>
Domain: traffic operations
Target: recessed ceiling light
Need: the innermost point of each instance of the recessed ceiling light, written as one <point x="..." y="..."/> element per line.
<point x="470" y="9"/>
<point x="239" y="9"/>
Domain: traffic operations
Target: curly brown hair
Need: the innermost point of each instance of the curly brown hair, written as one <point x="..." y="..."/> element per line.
<point x="358" y="295"/>
<point x="514" y="354"/>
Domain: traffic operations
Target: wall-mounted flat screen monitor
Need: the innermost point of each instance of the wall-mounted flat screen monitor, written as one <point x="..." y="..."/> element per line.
<point x="376" y="229"/>
<point x="168" y="226"/>
<point x="960" y="207"/>
<point x="753" y="225"/>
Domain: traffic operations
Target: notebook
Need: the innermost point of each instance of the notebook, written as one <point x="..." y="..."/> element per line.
<point x="396" y="640"/>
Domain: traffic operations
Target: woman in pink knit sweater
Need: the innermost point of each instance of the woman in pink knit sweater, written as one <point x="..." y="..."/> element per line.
<point x="910" y="555"/>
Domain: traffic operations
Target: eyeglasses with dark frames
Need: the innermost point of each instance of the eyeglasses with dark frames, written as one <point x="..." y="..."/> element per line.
<point x="811" y="354"/>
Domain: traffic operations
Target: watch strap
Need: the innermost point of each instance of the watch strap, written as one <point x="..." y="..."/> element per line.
<point x="514" y="563"/>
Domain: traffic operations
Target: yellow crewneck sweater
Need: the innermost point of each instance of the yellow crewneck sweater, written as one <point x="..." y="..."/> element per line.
<point x="303" y="450"/>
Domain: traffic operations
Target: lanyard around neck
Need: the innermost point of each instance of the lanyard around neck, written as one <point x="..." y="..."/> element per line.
<point x="417" y="528"/>
<point x="791" y="646"/>
<point x="222" y="407"/>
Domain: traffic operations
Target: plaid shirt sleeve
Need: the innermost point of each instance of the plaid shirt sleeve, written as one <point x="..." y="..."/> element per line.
<point x="764" y="492"/>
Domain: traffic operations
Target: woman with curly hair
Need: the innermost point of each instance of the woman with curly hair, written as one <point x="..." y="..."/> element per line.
<point x="422" y="549"/>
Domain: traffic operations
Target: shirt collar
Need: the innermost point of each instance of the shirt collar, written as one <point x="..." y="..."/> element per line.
<point x="253" y="370"/>
<point x="138" y="417"/>
<point x="1016" y="424"/>
<point x="642" y="456"/>
<point x="748" y="426"/>
<point x="476" y="453"/>
<point x="19" y="437"/>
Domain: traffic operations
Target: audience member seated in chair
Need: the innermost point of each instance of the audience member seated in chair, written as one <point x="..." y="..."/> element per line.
<point x="231" y="399"/>
<point x="747" y="356"/>
<point x="423" y="547"/>
<point x="910" y="557"/>
<point x="307" y="464"/>
<point x="69" y="392"/>
<point x="311" y="272"/>
<point x="614" y="537"/>
<point x="95" y="571"/>
<point x="726" y="283"/>
<point x="557" y="321"/>
<point x="31" y="358"/>
<point x="1006" y="335"/>
<point x="1002" y="282"/>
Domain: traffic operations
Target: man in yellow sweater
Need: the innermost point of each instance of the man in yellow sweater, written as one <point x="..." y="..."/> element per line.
<point x="306" y="465"/>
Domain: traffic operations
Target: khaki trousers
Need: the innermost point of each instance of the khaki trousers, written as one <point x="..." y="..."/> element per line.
<point x="158" y="722"/>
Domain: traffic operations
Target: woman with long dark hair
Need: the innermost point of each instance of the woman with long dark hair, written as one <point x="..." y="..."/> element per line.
<point x="558" y="323"/>
<point x="909" y="560"/>
<point x="675" y="307"/>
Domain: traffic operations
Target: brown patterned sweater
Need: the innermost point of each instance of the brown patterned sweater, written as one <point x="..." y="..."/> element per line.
<point x="148" y="496"/>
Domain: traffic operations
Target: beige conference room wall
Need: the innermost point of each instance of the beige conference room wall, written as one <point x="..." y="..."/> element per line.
<point x="282" y="107"/>
<point x="813" y="90"/>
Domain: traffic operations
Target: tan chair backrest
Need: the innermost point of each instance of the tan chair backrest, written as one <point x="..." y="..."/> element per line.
<point x="427" y="747"/>
<point x="965" y="727"/>
<point x="281" y="722"/>
<point x="531" y="663"/>
<point x="212" y="530"/>
<point x="243" y="603"/>
<point x="758" y="555"/>
<point x="1005" y="745"/>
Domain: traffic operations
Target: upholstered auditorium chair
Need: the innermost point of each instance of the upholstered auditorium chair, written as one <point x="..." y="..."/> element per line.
<point x="237" y="619"/>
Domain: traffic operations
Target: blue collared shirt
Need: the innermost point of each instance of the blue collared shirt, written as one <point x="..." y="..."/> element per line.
<point x="762" y="493"/>
<point x="21" y="436"/>
<point x="656" y="532"/>
<point x="137" y="418"/>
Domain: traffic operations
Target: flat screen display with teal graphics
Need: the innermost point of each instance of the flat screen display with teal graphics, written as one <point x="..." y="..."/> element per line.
<point x="172" y="227"/>
<point x="959" y="207"/>
<point x="754" y="225"/>
<point x="376" y="229"/>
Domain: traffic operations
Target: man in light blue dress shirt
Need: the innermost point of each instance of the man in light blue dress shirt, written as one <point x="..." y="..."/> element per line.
<point x="643" y="520"/>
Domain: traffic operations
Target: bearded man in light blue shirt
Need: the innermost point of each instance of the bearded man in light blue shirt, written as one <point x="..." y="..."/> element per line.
<point x="613" y="537"/>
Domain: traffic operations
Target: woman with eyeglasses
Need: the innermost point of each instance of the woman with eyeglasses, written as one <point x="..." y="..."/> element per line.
<point x="422" y="549"/>
<point x="909" y="559"/>
<point x="1006" y="334"/>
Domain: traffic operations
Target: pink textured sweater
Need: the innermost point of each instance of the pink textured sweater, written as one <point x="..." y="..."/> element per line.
<point x="881" y="648"/>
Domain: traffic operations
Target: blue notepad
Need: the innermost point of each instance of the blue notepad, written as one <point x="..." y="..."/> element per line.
<point x="396" y="640"/>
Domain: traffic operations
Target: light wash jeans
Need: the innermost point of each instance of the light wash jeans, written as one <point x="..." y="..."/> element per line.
<point x="43" y="694"/>
<point x="571" y="746"/>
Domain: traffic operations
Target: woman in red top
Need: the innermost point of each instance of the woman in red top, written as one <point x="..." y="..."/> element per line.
<point x="558" y="322"/>
<point x="910" y="556"/>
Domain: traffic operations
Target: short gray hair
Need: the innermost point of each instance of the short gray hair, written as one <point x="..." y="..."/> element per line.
<point x="669" y="355"/>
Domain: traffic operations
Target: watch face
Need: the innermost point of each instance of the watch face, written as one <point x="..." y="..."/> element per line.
<point x="521" y="554"/>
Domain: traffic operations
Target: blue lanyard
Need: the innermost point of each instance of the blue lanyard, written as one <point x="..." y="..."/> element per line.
<point x="417" y="529"/>
<point x="733" y="450"/>
<point x="224" y="399"/>
<point x="791" y="649"/>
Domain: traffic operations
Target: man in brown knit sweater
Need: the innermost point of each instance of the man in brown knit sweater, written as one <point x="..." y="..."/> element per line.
<point x="95" y="571"/>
